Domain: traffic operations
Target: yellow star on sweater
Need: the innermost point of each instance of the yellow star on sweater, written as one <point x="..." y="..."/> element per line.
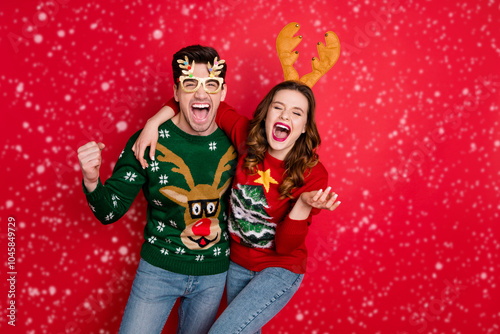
<point x="265" y="179"/>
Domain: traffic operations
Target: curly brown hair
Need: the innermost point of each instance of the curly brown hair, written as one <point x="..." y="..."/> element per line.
<point x="302" y="156"/>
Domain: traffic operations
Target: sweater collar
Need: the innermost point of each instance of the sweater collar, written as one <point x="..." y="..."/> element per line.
<point x="274" y="162"/>
<point x="169" y="125"/>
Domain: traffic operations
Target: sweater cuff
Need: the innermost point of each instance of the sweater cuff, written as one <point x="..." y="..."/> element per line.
<point x="96" y="194"/>
<point x="294" y="227"/>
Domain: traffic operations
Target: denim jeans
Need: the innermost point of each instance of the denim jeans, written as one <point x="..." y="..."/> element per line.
<point x="254" y="298"/>
<point x="154" y="293"/>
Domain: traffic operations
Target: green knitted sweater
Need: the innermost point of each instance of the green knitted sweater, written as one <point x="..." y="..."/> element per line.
<point x="185" y="186"/>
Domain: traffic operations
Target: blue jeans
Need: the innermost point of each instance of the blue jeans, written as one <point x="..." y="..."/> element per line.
<point x="154" y="293"/>
<point x="254" y="298"/>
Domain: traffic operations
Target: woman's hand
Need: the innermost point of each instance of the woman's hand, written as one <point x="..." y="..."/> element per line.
<point x="314" y="199"/>
<point x="321" y="199"/>
<point x="148" y="137"/>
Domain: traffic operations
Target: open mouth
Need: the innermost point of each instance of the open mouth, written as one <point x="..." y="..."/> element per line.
<point x="204" y="242"/>
<point x="200" y="111"/>
<point x="281" y="132"/>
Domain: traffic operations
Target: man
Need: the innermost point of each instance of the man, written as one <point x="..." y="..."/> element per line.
<point x="186" y="249"/>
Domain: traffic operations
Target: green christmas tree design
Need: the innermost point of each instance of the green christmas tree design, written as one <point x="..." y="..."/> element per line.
<point x="249" y="219"/>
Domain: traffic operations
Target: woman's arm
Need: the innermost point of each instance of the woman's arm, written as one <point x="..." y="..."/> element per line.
<point x="292" y="231"/>
<point x="149" y="135"/>
<point x="234" y="125"/>
<point x="314" y="199"/>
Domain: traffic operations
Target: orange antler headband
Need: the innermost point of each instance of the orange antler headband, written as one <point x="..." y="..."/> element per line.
<point x="328" y="54"/>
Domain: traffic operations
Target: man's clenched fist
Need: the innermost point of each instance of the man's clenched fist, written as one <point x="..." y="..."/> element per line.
<point x="89" y="156"/>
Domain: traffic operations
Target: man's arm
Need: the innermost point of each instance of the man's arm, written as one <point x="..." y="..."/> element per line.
<point x="111" y="201"/>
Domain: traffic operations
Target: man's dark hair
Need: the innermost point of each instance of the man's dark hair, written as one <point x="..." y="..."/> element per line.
<point x="201" y="55"/>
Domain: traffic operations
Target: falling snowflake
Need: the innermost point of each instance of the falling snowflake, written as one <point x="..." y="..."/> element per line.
<point x="121" y="154"/>
<point x="164" y="133"/>
<point x="212" y="146"/>
<point x="91" y="207"/>
<point x="227" y="252"/>
<point x="110" y="216"/>
<point x="157" y="202"/>
<point x="152" y="239"/>
<point x="168" y="241"/>
<point x="226" y="236"/>
<point x="216" y="251"/>
<point x="163" y="179"/>
<point x="154" y="166"/>
<point x="115" y="200"/>
<point x="164" y="251"/>
<point x="173" y="223"/>
<point x="199" y="258"/>
<point x="130" y="176"/>
<point x="160" y="226"/>
<point x="180" y="251"/>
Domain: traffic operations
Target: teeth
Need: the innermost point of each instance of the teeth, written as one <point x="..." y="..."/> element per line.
<point x="201" y="105"/>
<point x="283" y="127"/>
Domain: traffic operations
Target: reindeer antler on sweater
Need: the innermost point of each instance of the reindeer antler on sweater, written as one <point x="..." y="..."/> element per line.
<point x="286" y="42"/>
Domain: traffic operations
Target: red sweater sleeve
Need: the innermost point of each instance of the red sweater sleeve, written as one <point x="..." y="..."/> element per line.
<point x="172" y="104"/>
<point x="233" y="124"/>
<point x="290" y="233"/>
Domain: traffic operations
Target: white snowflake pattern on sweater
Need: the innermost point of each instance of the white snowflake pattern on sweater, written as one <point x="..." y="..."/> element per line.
<point x="130" y="176"/>
<point x="164" y="133"/>
<point x="115" y="200"/>
<point x="163" y="179"/>
<point x="154" y="166"/>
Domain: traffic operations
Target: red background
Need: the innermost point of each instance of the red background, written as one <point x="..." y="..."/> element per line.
<point x="409" y="118"/>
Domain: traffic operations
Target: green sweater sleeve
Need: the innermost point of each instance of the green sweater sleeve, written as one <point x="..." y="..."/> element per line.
<point x="110" y="201"/>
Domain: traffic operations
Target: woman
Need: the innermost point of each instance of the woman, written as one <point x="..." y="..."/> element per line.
<point x="276" y="190"/>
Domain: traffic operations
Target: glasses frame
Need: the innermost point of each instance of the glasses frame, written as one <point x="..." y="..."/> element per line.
<point x="203" y="210"/>
<point x="200" y="82"/>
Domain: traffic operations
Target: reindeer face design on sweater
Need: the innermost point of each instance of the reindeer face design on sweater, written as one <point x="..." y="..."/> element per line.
<point x="201" y="201"/>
